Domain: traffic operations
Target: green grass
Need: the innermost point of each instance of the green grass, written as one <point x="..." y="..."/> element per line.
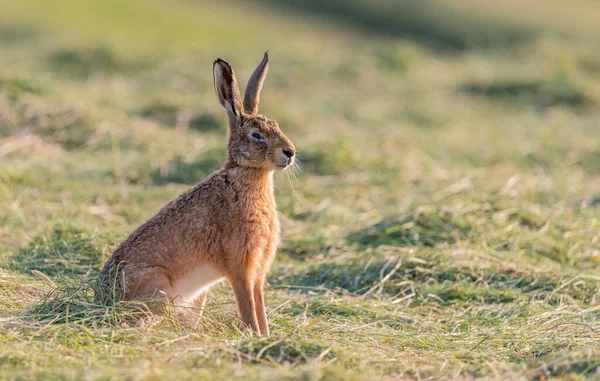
<point x="444" y="225"/>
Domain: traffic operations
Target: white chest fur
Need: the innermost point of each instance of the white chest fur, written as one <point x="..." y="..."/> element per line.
<point x="189" y="287"/>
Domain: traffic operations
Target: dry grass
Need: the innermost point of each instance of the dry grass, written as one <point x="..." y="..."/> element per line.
<point x="443" y="223"/>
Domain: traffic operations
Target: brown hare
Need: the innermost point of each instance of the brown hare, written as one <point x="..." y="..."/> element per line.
<point x="225" y="227"/>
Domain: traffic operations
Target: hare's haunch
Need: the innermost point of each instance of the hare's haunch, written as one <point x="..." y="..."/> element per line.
<point x="224" y="228"/>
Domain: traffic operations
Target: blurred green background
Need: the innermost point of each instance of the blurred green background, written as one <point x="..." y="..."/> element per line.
<point x="444" y="222"/>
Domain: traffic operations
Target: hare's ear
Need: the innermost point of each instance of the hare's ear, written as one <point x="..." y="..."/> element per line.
<point x="252" y="94"/>
<point x="226" y="88"/>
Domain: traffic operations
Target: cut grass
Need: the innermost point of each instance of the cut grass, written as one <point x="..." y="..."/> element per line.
<point x="443" y="225"/>
<point x="64" y="251"/>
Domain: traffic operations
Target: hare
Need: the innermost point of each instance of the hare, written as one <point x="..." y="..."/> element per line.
<point x="223" y="228"/>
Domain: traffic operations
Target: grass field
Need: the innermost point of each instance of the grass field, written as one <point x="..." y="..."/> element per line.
<point x="445" y="224"/>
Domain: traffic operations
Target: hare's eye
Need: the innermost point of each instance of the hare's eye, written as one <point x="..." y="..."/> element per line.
<point x="257" y="136"/>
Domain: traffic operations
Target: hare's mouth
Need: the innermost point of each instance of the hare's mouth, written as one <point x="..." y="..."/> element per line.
<point x="289" y="163"/>
<point x="284" y="165"/>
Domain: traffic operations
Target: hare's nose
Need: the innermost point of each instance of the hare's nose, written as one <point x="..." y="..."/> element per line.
<point x="288" y="152"/>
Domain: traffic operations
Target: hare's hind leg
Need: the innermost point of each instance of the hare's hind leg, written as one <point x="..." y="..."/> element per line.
<point x="149" y="284"/>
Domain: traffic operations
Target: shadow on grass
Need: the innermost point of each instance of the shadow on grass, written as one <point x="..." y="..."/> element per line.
<point x="431" y="226"/>
<point x="589" y="161"/>
<point x="447" y="283"/>
<point x="170" y="114"/>
<point x="328" y="158"/>
<point x="427" y="227"/>
<point x="559" y="90"/>
<point x="369" y="265"/>
<point x="67" y="126"/>
<point x="16" y="34"/>
<point x="426" y="22"/>
<point x="595" y="201"/>
<point x="183" y="172"/>
<point x="82" y="63"/>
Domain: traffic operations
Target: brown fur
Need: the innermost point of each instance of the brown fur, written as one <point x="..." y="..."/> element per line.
<point x="228" y="222"/>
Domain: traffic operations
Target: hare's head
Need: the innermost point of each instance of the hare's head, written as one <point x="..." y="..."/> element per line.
<point x="254" y="140"/>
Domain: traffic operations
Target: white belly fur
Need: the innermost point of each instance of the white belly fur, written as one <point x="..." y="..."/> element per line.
<point x="188" y="288"/>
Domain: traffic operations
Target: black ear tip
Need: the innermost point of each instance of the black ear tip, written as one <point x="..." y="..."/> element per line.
<point x="220" y="61"/>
